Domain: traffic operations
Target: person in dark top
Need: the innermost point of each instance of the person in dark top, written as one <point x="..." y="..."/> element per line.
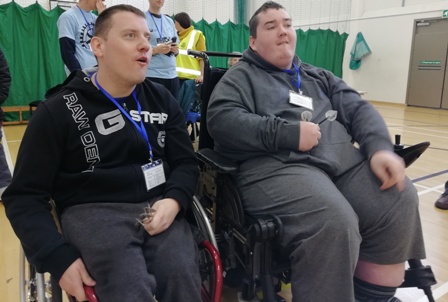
<point x="108" y="147"/>
<point x="350" y="215"/>
<point x="442" y="201"/>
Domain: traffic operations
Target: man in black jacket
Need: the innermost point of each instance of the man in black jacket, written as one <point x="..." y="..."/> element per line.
<point x="106" y="148"/>
<point x="5" y="83"/>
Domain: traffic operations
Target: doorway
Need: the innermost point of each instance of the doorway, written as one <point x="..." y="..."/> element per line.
<point x="428" y="78"/>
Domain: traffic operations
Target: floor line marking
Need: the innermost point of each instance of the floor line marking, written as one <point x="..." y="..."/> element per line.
<point x="433" y="189"/>
<point x="429" y="176"/>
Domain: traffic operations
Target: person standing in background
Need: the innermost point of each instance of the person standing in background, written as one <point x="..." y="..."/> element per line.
<point x="189" y="67"/>
<point x="233" y="60"/>
<point x="75" y="28"/>
<point x="5" y="84"/>
<point x="164" y="43"/>
<point x="442" y="201"/>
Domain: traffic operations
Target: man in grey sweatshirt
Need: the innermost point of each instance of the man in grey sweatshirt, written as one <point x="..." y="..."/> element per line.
<point x="350" y="214"/>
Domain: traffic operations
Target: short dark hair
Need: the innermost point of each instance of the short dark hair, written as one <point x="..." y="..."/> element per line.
<point x="103" y="22"/>
<point x="253" y="22"/>
<point x="183" y="19"/>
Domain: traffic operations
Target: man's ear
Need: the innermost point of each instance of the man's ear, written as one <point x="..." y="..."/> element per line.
<point x="96" y="43"/>
<point x="252" y="43"/>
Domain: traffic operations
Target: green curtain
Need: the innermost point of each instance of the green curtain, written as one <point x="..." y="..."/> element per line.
<point x="29" y="39"/>
<point x="223" y="38"/>
<point x="323" y="48"/>
<point x="240" y="11"/>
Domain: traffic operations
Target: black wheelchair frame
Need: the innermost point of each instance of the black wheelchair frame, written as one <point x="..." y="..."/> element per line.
<point x="251" y="257"/>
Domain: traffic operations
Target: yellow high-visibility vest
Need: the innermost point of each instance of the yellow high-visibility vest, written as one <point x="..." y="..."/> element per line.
<point x="188" y="66"/>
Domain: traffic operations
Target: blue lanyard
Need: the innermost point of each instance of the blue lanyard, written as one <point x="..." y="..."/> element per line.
<point x="161" y="25"/>
<point x="141" y="128"/>
<point x="296" y="70"/>
<point x="85" y="19"/>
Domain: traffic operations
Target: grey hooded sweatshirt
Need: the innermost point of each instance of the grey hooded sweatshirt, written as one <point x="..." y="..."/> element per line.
<point x="250" y="116"/>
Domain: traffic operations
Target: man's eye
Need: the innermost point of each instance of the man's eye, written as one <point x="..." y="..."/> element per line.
<point x="130" y="35"/>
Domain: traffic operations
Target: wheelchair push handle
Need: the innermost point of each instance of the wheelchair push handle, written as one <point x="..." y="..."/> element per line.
<point x="196" y="53"/>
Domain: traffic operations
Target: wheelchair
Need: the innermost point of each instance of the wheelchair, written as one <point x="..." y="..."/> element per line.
<point x="252" y="259"/>
<point x="37" y="287"/>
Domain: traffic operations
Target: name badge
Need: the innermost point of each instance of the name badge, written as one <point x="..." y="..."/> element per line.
<point x="154" y="174"/>
<point x="300" y="100"/>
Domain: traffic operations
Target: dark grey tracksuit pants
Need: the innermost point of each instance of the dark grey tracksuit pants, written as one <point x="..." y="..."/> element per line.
<point x="330" y="223"/>
<point x="127" y="263"/>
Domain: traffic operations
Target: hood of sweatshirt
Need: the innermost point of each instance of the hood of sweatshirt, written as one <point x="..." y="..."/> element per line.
<point x="253" y="57"/>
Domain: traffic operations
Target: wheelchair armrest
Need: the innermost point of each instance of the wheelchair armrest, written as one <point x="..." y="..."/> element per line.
<point x="411" y="153"/>
<point x="216" y="161"/>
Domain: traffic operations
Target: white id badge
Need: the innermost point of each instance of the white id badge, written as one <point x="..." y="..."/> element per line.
<point x="154" y="174"/>
<point x="300" y="100"/>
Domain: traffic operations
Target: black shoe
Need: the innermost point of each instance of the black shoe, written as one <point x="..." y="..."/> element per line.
<point x="442" y="202"/>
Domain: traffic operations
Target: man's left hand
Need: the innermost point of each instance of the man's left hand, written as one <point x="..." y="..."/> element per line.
<point x="166" y="211"/>
<point x="389" y="168"/>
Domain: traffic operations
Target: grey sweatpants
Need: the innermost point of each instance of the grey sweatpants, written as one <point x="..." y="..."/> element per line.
<point x="127" y="263"/>
<point x="330" y="223"/>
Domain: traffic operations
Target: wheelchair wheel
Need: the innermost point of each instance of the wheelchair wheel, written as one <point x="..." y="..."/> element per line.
<point x="40" y="288"/>
<point x="209" y="262"/>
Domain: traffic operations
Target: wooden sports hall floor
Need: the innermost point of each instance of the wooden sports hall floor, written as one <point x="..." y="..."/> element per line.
<point x="429" y="173"/>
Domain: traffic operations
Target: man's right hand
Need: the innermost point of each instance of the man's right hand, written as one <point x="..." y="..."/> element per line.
<point x="162" y="48"/>
<point x="74" y="278"/>
<point x="309" y="136"/>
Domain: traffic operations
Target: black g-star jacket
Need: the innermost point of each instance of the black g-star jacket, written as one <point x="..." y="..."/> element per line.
<point x="79" y="148"/>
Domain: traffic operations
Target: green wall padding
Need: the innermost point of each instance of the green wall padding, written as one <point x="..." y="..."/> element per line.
<point x="29" y="39"/>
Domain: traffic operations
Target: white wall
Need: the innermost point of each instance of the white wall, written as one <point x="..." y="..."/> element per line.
<point x="388" y="32"/>
<point x="210" y="10"/>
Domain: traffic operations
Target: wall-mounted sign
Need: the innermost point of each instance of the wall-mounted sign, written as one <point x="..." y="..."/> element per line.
<point x="445" y="13"/>
<point x="430" y="62"/>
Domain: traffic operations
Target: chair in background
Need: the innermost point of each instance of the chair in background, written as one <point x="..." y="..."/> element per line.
<point x="34" y="104"/>
<point x="192" y="120"/>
